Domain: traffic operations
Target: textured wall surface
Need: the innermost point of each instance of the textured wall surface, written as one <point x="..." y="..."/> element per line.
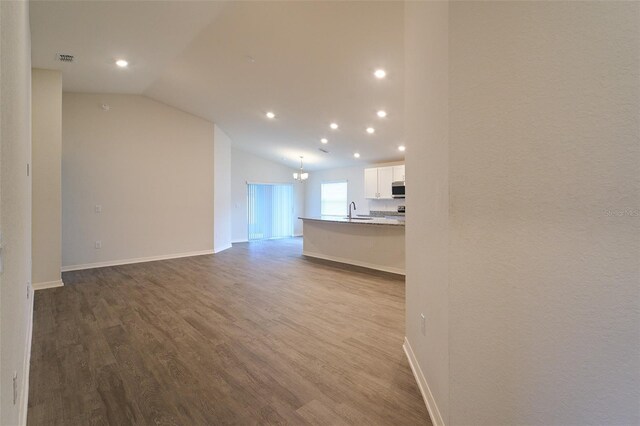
<point x="427" y="177"/>
<point x="222" y="190"/>
<point x="148" y="165"/>
<point x="47" y="164"/>
<point x="15" y="208"/>
<point x="545" y="232"/>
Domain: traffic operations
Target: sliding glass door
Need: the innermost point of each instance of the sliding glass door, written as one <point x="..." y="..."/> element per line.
<point x="270" y="211"/>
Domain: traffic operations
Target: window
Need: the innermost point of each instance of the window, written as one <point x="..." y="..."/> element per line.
<point x="333" y="199"/>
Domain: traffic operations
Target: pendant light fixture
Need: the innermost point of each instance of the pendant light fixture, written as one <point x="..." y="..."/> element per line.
<point x="300" y="175"/>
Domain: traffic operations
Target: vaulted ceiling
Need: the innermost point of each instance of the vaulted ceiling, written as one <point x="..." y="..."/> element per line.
<point x="311" y="63"/>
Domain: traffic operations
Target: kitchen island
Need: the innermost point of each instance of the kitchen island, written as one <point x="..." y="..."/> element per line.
<point x="375" y="243"/>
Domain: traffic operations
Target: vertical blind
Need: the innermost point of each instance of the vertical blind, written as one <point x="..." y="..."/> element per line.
<point x="333" y="199"/>
<point x="270" y="211"/>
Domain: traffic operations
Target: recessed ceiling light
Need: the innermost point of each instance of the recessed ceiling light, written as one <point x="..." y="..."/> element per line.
<point x="382" y="113"/>
<point x="371" y="130"/>
<point x="356" y="155"/>
<point x="334" y="126"/>
<point x="380" y="73"/>
<point x="270" y="115"/>
<point x="122" y="63"/>
<point x="401" y="148"/>
<point x="324" y="140"/>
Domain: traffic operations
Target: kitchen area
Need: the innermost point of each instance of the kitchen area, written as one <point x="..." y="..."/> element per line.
<point x="371" y="233"/>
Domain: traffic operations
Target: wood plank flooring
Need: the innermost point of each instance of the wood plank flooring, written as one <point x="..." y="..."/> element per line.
<point x="256" y="334"/>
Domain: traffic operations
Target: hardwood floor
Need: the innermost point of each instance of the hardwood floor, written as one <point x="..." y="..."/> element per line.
<point x="256" y="334"/>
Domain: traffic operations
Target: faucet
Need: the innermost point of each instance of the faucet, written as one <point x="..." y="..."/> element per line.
<point x="353" y="203"/>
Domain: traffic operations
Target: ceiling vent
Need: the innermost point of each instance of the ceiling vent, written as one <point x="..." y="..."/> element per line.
<point x="323" y="150"/>
<point x="64" y="57"/>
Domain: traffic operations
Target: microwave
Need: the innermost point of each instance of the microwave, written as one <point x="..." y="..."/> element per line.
<point x="397" y="189"/>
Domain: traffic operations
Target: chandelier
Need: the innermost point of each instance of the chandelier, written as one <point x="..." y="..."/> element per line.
<point x="300" y="175"/>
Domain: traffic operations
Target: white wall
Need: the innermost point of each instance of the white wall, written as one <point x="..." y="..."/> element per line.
<point x="222" y="190"/>
<point x="355" y="187"/>
<point x="15" y="209"/>
<point x="544" y="322"/>
<point x="149" y="166"/>
<point x="246" y="167"/>
<point x="46" y="128"/>
<point x="427" y="176"/>
<point x="544" y="191"/>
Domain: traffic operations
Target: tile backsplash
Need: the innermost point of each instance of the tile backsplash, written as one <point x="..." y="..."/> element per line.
<point x="386" y="205"/>
<point x="382" y="213"/>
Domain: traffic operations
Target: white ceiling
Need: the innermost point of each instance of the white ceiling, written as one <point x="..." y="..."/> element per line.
<point x="148" y="34"/>
<point x="313" y="64"/>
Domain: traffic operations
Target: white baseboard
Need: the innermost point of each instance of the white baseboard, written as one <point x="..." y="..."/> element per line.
<point x="429" y="401"/>
<point x="48" y="284"/>
<point x="135" y="260"/>
<point x="246" y="241"/>
<point x="24" y="384"/>
<point x="355" y="263"/>
<point x="223" y="248"/>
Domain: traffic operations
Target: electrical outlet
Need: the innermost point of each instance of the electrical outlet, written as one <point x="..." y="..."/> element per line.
<point x="15" y="387"/>
<point x="98" y="244"/>
<point x="423" y="324"/>
<point x="98" y="208"/>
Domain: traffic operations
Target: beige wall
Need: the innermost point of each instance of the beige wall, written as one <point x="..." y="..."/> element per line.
<point x="222" y="190"/>
<point x="544" y="323"/>
<point x="15" y="209"/>
<point x="427" y="176"/>
<point x="148" y="165"/>
<point x="46" y="128"/>
<point x="246" y="167"/>
<point x="543" y="230"/>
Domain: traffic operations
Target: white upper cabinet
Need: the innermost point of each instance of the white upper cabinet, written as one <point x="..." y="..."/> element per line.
<point x="385" y="177"/>
<point x="371" y="183"/>
<point x="398" y="173"/>
<point x="377" y="182"/>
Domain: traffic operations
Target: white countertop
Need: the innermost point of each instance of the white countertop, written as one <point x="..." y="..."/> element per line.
<point x="355" y="220"/>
